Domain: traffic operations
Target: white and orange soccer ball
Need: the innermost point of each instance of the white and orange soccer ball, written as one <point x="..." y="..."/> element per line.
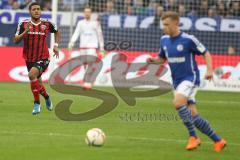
<point x="95" y="137"/>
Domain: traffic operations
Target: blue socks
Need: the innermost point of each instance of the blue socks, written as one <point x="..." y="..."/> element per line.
<point x="198" y="122"/>
<point x="187" y="119"/>
<point x="205" y="128"/>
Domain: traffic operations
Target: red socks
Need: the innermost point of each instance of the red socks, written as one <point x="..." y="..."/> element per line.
<point x="43" y="92"/>
<point x="38" y="89"/>
<point x="35" y="87"/>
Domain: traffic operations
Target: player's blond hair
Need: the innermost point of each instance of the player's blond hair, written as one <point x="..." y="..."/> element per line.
<point x="170" y="14"/>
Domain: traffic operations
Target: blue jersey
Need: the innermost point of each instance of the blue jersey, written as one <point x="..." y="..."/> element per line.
<point x="180" y="52"/>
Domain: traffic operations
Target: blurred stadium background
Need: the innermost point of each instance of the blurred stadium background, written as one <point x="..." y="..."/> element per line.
<point x="215" y="22"/>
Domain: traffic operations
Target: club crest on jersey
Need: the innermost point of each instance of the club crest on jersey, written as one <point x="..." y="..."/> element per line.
<point x="180" y="47"/>
<point x="43" y="27"/>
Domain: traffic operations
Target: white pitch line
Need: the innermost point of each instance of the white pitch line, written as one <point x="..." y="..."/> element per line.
<point x="170" y="101"/>
<point x="204" y="101"/>
<point x="227" y="102"/>
<point x="119" y="137"/>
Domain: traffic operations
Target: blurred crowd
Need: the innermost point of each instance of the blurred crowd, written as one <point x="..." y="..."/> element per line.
<point x="23" y="4"/>
<point x="210" y="8"/>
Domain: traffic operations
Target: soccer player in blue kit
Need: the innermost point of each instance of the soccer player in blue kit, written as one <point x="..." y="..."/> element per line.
<point x="179" y="49"/>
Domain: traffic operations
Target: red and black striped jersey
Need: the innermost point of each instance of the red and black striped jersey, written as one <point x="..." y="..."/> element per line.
<point x="35" y="46"/>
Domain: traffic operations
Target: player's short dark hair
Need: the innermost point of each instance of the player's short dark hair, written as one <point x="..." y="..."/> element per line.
<point x="87" y="7"/>
<point x="170" y="14"/>
<point x="33" y="4"/>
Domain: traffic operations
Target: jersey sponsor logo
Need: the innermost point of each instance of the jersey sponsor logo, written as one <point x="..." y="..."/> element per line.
<point x="180" y="47"/>
<point x="38" y="33"/>
<point x="176" y="59"/>
<point x="43" y="27"/>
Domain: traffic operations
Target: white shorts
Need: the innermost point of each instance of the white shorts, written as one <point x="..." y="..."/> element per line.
<point x="89" y="52"/>
<point x="92" y="52"/>
<point x="188" y="89"/>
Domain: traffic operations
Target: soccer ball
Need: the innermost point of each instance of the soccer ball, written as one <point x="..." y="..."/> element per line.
<point x="95" y="137"/>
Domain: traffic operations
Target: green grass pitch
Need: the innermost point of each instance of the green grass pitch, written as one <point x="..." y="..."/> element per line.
<point x="45" y="137"/>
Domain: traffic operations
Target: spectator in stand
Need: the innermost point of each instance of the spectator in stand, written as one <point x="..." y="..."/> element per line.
<point x="138" y="7"/>
<point x="152" y="7"/>
<point x="191" y="8"/>
<point x="171" y="5"/>
<point x="157" y="17"/>
<point x="7" y="4"/>
<point x="235" y="8"/>
<point x="181" y="10"/>
<point x="203" y="8"/>
<point x="15" y="5"/>
<point x="24" y="4"/>
<point x="221" y="8"/>
<point x="212" y="13"/>
<point x="231" y="50"/>
<point x="62" y="6"/>
<point x="96" y="5"/>
<point x="47" y="6"/>
<point x="110" y="7"/>
<point x="124" y="7"/>
<point x="65" y="5"/>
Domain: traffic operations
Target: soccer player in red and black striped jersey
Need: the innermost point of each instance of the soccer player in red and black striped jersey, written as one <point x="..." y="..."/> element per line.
<point x="34" y="33"/>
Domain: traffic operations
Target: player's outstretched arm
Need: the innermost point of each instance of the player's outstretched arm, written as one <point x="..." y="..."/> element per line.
<point x="100" y="38"/>
<point x="19" y="37"/>
<point x="208" y="59"/>
<point x="158" y="60"/>
<point x="57" y="39"/>
<point x="75" y="36"/>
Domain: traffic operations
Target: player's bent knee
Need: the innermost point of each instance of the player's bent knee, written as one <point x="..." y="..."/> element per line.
<point x="32" y="75"/>
<point x="178" y="104"/>
<point x="179" y="101"/>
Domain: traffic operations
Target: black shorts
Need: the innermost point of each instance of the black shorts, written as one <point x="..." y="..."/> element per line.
<point x="41" y="65"/>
